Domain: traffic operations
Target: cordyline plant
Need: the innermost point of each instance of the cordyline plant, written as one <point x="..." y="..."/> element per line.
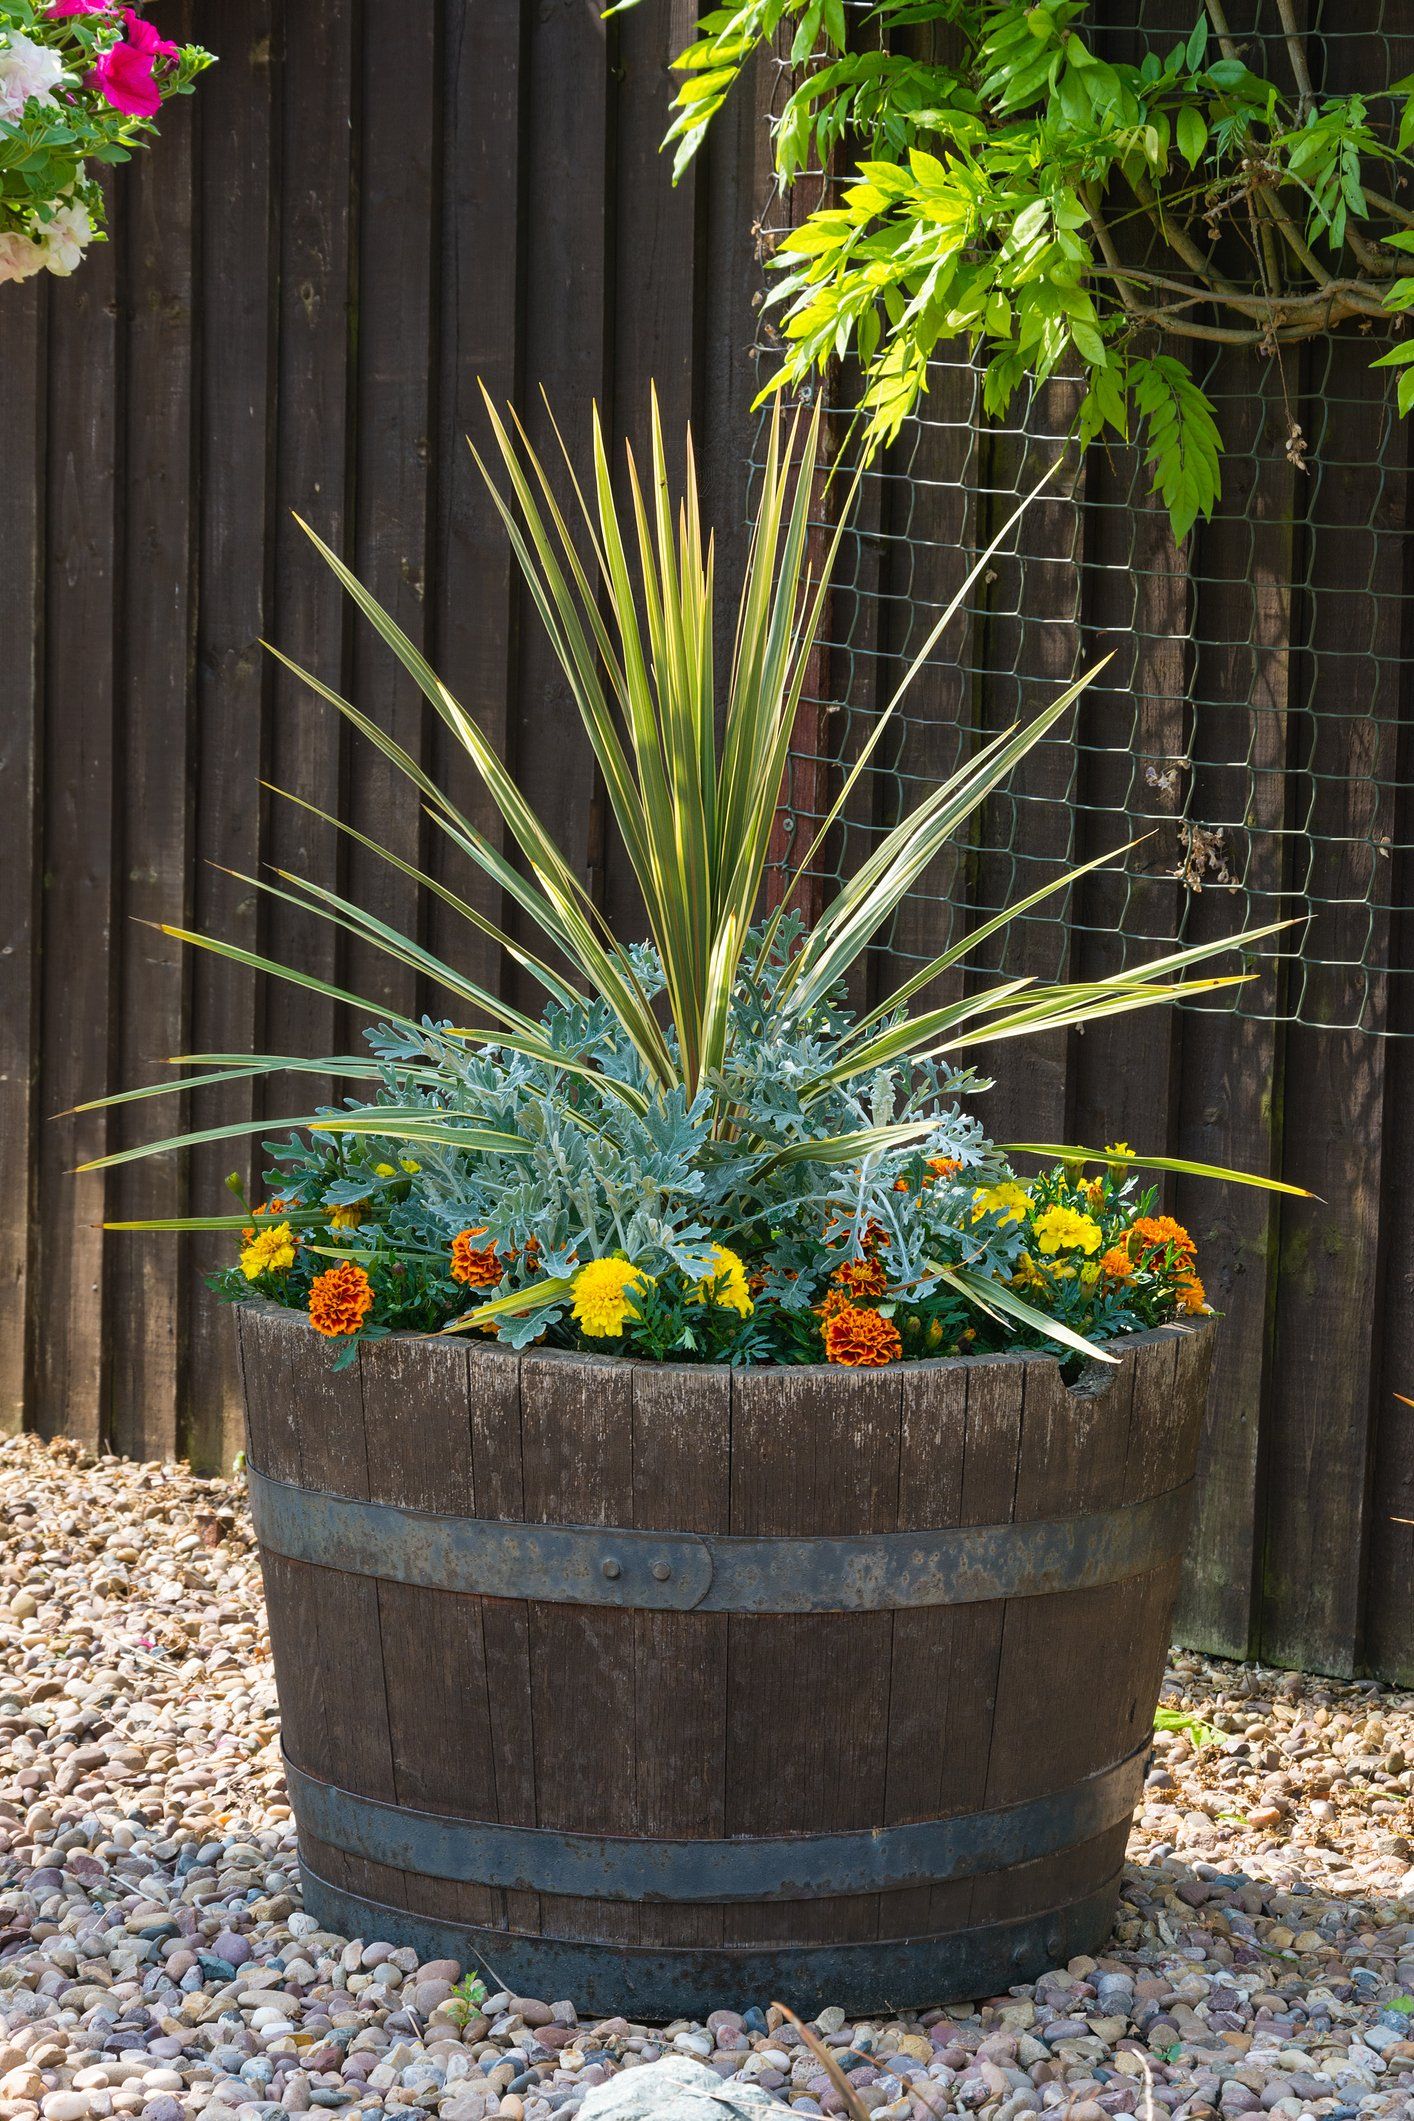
<point x="696" y="1151"/>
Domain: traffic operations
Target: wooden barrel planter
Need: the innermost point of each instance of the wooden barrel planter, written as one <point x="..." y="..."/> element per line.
<point x="667" y="1689"/>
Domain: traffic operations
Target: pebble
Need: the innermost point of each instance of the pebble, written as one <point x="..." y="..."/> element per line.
<point x="156" y="1964"/>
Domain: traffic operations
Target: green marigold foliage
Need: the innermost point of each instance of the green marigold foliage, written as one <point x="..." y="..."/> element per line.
<point x="1057" y="211"/>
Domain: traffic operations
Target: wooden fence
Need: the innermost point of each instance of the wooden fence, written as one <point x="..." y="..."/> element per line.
<point x="364" y="209"/>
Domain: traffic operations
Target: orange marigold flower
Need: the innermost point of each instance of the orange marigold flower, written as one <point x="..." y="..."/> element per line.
<point x="478" y="1266"/>
<point x="835" y="1302"/>
<point x="1116" y="1264"/>
<point x="861" y="1340"/>
<point x="340" y="1300"/>
<point x="860" y="1277"/>
<point x="1191" y="1295"/>
<point x="944" y="1166"/>
<point x="1158" y="1230"/>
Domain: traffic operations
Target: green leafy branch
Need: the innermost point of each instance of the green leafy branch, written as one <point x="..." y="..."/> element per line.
<point x="1061" y="213"/>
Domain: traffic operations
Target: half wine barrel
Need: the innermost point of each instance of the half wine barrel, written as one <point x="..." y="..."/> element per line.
<point x="665" y="1688"/>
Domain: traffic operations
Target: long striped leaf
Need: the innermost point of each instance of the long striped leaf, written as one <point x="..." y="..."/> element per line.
<point x="231" y="1132"/>
<point x="1185" y="1166"/>
<point x="298" y="1218"/>
<point x="346" y="1069"/>
<point x="548" y="1291"/>
<point x="998" y="1300"/>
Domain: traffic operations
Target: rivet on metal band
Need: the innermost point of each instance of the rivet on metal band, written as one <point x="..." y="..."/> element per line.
<point x="687" y="1572"/>
<point x="760" y="1867"/>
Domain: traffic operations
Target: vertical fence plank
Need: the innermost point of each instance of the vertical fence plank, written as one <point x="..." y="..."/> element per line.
<point x="930" y="532"/>
<point x="318" y="299"/>
<point x="1133" y="739"/>
<point x="22" y="318"/>
<point x="655" y="231"/>
<point x="470" y="591"/>
<point x="391" y="431"/>
<point x="233" y="672"/>
<point x="1229" y="1111"/>
<point x="1317" y="1493"/>
<point x="1388" y="1633"/>
<point x="567" y="302"/>
<point x="77" y="968"/>
<point x="153" y="824"/>
<point x="1032" y="653"/>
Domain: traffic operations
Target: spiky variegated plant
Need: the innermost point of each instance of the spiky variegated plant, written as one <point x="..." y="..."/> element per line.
<point x="748" y="1106"/>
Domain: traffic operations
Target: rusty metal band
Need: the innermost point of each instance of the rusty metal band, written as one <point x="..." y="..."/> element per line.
<point x="536" y="1859"/>
<point x="686" y="1572"/>
<point x="654" y="1985"/>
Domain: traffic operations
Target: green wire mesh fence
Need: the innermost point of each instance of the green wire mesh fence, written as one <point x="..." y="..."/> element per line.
<point x="1252" y="728"/>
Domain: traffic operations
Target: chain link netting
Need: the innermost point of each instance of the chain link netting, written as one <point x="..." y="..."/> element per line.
<point x="1251" y="730"/>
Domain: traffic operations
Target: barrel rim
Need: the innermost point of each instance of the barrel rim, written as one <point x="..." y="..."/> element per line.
<point x="1092" y="1381"/>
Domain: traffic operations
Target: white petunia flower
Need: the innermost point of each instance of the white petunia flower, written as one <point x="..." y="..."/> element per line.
<point x="65" y="238"/>
<point x="20" y="258"/>
<point x="28" y="71"/>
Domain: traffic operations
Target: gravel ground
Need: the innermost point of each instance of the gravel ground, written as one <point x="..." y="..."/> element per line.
<point x="154" y="1960"/>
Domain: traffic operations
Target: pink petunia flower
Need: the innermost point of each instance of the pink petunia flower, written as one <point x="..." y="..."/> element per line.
<point x="61" y="8"/>
<point x="144" y="37"/>
<point x="124" y="77"/>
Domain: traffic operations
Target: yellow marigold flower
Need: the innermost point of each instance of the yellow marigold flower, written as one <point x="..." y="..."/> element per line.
<point x="410" y="1163"/>
<point x="602" y="1292"/>
<point x="347" y="1216"/>
<point x="727" y="1285"/>
<point x="1028" y="1275"/>
<point x="1008" y="1200"/>
<point x="269" y="1252"/>
<point x="384" y="1171"/>
<point x="1064" y="1230"/>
